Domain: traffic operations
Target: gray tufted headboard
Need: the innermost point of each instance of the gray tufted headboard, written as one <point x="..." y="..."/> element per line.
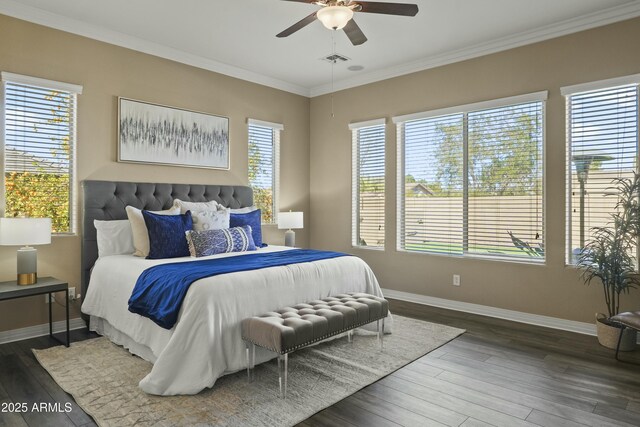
<point x="106" y="200"/>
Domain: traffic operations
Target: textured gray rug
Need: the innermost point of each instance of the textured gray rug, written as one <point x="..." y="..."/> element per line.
<point x="103" y="379"/>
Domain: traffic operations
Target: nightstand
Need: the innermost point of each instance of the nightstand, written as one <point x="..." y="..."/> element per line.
<point x="46" y="285"/>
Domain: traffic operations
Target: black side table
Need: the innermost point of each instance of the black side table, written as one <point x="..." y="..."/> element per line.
<point x="46" y="285"/>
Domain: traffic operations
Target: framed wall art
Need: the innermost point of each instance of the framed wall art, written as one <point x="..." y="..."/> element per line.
<point x="157" y="134"/>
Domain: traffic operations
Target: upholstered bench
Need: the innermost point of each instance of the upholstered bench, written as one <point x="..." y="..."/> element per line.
<point x="291" y="328"/>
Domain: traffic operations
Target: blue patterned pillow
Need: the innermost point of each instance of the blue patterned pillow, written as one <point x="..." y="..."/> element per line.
<point x="252" y="219"/>
<point x="166" y="234"/>
<point x="211" y="242"/>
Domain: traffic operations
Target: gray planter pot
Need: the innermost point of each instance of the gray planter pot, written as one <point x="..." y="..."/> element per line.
<point x="608" y="335"/>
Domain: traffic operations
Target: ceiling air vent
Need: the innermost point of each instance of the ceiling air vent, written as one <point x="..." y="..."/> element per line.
<point x="335" y="58"/>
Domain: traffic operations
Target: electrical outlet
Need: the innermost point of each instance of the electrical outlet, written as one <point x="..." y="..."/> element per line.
<point x="72" y="294"/>
<point x="456" y="280"/>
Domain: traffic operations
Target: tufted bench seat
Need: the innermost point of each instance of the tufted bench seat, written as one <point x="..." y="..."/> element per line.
<point x="291" y="328"/>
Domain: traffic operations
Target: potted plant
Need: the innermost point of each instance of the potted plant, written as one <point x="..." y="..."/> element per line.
<point x="609" y="257"/>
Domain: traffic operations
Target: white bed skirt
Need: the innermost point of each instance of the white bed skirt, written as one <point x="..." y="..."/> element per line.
<point x="104" y="328"/>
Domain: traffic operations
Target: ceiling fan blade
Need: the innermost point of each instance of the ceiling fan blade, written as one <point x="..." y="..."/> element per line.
<point x="403" y="9"/>
<point x="298" y="25"/>
<point x="354" y="33"/>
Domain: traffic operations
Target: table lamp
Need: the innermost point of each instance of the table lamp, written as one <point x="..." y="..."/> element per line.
<point x="24" y="232"/>
<point x="289" y="220"/>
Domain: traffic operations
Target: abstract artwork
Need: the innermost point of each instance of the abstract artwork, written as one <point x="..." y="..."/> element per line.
<point x="151" y="133"/>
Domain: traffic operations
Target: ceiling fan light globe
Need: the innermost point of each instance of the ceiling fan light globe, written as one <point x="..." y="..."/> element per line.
<point x="335" y="17"/>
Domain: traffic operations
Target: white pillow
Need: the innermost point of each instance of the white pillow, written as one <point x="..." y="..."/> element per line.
<point x="205" y="215"/>
<point x="195" y="206"/>
<point x="139" y="228"/>
<point x="114" y="237"/>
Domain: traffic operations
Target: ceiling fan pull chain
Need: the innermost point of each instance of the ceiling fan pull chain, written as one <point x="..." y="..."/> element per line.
<point x="333" y="64"/>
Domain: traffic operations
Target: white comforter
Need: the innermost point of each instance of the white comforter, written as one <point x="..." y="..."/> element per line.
<point x="206" y="343"/>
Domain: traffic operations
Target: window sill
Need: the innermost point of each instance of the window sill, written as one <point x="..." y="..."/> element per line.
<point x="479" y="257"/>
<point x="369" y="248"/>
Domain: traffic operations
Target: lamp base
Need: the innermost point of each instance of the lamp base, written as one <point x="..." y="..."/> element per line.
<point x="290" y="238"/>
<point x="27" y="266"/>
<point x="27" y="279"/>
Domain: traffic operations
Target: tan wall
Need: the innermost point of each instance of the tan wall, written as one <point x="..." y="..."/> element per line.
<point x="106" y="72"/>
<point x="552" y="289"/>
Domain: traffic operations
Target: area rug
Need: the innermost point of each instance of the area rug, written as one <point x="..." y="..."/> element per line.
<point x="103" y="379"/>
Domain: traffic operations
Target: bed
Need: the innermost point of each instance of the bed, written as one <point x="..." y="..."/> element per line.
<point x="205" y="343"/>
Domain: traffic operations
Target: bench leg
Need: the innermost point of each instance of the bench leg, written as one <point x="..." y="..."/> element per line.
<point x="619" y="341"/>
<point x="283" y="360"/>
<point x="350" y="336"/>
<point x="246" y="344"/>
<point x="623" y="328"/>
<point x="251" y="360"/>
<point x="381" y="334"/>
<point x="253" y="357"/>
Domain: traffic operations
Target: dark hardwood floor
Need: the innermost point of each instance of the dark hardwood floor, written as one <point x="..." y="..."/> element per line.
<point x="499" y="373"/>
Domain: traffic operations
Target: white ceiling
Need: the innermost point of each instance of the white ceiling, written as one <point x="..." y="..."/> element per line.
<point x="237" y="37"/>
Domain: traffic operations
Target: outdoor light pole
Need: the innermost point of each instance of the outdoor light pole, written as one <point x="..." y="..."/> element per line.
<point x="583" y="163"/>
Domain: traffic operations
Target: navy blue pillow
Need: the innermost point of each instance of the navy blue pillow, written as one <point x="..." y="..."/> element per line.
<point x="167" y="238"/>
<point x="254" y="220"/>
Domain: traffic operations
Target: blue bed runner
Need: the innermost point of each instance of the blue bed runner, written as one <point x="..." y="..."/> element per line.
<point x="160" y="290"/>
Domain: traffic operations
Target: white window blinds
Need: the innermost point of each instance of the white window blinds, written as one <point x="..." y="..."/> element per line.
<point x="471" y="181"/>
<point x="264" y="159"/>
<point x="602" y="144"/>
<point x="368" y="184"/>
<point x="39" y="149"/>
<point x="431" y="194"/>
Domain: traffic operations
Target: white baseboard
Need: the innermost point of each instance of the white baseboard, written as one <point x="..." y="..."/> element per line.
<point x="500" y="313"/>
<point x="39" y="330"/>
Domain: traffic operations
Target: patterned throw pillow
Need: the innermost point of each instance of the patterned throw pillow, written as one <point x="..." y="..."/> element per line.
<point x="252" y="219"/>
<point x="211" y="242"/>
<point x="166" y="234"/>
<point x="206" y="215"/>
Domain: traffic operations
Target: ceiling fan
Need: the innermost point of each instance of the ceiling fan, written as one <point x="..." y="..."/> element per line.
<point x="338" y="14"/>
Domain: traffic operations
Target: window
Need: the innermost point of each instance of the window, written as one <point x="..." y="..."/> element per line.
<point x="39" y="149"/>
<point x="264" y="167"/>
<point x="602" y="144"/>
<point x="471" y="180"/>
<point x="368" y="177"/>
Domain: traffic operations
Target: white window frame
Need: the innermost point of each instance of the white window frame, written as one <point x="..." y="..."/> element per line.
<point x="465" y="109"/>
<point x="277" y="130"/>
<point x="355" y="181"/>
<point x="568" y="92"/>
<point x="73" y="89"/>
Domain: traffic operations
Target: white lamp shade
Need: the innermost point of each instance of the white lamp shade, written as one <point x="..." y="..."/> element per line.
<point x="289" y="220"/>
<point x="335" y="17"/>
<point x="25" y="231"/>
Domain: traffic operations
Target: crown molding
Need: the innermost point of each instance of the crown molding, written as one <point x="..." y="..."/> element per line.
<point x="569" y="26"/>
<point x="28" y="13"/>
<point x="59" y="22"/>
